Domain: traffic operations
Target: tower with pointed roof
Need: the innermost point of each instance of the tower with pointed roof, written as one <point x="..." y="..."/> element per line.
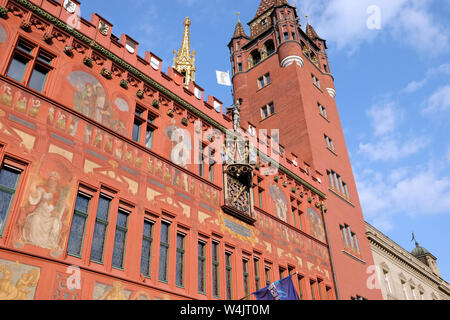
<point x="282" y="77"/>
<point x="184" y="60"/>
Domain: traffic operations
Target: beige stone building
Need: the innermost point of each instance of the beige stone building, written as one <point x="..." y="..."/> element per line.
<point x="406" y="275"/>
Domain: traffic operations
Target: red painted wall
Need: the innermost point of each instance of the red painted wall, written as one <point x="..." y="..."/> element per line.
<point x="75" y="136"/>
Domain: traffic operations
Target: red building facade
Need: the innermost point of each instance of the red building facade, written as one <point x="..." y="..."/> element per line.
<point x="282" y="77"/>
<point x="101" y="196"/>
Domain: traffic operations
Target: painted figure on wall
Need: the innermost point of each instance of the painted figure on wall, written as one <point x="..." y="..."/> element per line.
<point x="6" y="96"/>
<point x="43" y="226"/>
<point x="43" y="221"/>
<point x="90" y="99"/>
<point x="317" y="229"/>
<point x="280" y="202"/>
<point x="18" y="281"/>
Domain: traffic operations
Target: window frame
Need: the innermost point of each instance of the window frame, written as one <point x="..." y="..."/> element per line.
<point x="105" y="223"/>
<point x="90" y="195"/>
<point x="150" y="240"/>
<point x="19" y="170"/>
<point x="124" y="229"/>
<point x="32" y="64"/>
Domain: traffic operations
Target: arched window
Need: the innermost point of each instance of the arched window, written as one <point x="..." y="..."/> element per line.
<point x="255" y="57"/>
<point x="270" y="47"/>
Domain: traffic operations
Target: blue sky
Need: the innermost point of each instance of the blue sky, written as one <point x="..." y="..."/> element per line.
<point x="393" y="93"/>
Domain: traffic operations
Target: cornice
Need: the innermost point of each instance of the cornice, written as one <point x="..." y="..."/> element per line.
<point x="379" y="241"/>
<point x="108" y="54"/>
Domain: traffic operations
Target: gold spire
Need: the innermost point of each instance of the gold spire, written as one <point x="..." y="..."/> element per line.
<point x="183" y="60"/>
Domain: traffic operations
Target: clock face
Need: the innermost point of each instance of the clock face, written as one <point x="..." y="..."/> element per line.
<point x="70" y="6"/>
<point x="238" y="195"/>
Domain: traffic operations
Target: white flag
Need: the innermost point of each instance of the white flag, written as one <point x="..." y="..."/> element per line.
<point x="223" y="78"/>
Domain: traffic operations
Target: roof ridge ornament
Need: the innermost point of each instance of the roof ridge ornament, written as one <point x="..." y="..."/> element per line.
<point x="184" y="60"/>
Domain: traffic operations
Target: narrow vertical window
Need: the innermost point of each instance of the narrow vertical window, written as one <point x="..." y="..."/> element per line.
<point x="146" y="252"/>
<point x="281" y="272"/>
<point x="301" y="280"/>
<point x="328" y="291"/>
<point x="137" y="130"/>
<point x="180" y="260"/>
<point x="267" y="274"/>
<point x="312" y="284"/>
<point x="319" y="288"/>
<point x="163" y="252"/>
<point x="246" y="277"/>
<point x="386" y="281"/>
<point x="101" y="225"/>
<point x="9" y="178"/>
<point x="215" y="269"/>
<point x="201" y="267"/>
<point x="78" y="225"/>
<point x="120" y="239"/>
<point x="40" y="71"/>
<point x="260" y="193"/>
<point x="405" y="293"/>
<point x="228" y="275"/>
<point x="257" y="277"/>
<point x="201" y="167"/>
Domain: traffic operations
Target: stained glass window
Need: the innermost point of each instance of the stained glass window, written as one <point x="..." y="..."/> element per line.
<point x="180" y="260"/>
<point x="201" y="267"/>
<point x="120" y="239"/>
<point x="146" y="252"/>
<point x="101" y="225"/>
<point x="163" y="252"/>
<point x="78" y="225"/>
<point x="8" y="184"/>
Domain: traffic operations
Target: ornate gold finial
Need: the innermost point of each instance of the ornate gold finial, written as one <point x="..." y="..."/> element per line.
<point x="239" y="16"/>
<point x="184" y="60"/>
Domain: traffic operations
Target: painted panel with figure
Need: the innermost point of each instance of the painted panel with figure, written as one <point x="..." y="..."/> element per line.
<point x="45" y="212"/>
<point x="279" y="201"/>
<point x="19" y="281"/>
<point x="316" y="225"/>
<point x="92" y="99"/>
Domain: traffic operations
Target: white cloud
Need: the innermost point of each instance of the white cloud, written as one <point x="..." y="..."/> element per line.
<point x="413" y="86"/>
<point x="448" y="155"/>
<point x="439" y="101"/>
<point x="389" y="148"/>
<point x="344" y="22"/>
<point x="421" y="191"/>
<point x="384" y="118"/>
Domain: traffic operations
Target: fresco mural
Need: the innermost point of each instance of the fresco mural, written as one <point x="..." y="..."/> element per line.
<point x="117" y="292"/>
<point x="45" y="216"/>
<point x="279" y="201"/>
<point x="90" y="99"/>
<point x="316" y="225"/>
<point x="18" y="280"/>
<point x="181" y="145"/>
<point x="2" y="34"/>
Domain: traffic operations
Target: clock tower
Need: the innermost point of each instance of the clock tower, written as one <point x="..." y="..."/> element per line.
<point x="282" y="77"/>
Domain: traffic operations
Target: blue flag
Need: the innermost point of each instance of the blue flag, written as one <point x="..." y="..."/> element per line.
<point x="281" y="290"/>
